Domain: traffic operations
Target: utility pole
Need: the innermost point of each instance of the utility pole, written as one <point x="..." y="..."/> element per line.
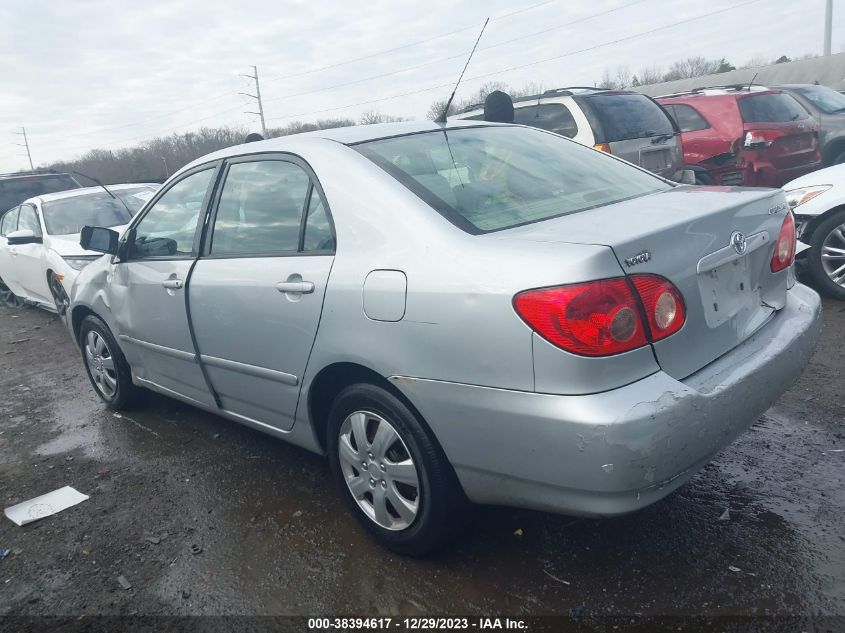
<point x="257" y="97"/>
<point x="828" y="26"/>
<point x="26" y="145"/>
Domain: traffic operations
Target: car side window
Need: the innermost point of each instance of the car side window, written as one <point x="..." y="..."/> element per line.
<point x="260" y="208"/>
<point x="28" y="219"/>
<point x="318" y="229"/>
<point x="553" y="117"/>
<point x="168" y="228"/>
<point x="9" y="221"/>
<point x="688" y="118"/>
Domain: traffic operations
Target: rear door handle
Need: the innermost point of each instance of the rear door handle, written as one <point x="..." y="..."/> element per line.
<point x="172" y="284"/>
<point x="300" y="287"/>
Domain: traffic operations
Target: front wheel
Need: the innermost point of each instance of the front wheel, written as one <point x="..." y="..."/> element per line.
<point x="105" y="364"/>
<point x="827" y="255"/>
<point x="392" y="473"/>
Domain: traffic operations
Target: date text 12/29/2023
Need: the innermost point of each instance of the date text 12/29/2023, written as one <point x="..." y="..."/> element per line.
<point x="417" y="624"/>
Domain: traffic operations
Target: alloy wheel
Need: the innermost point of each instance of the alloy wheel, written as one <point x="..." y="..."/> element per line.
<point x="7" y="297"/>
<point x="379" y="470"/>
<point x="100" y="363"/>
<point x="833" y="255"/>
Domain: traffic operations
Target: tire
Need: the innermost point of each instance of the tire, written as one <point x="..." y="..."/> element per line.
<point x="105" y="364"/>
<point x="9" y="298"/>
<point x="839" y="158"/>
<point x="703" y="178"/>
<point x="435" y="510"/>
<point x="831" y="233"/>
<point x="57" y="290"/>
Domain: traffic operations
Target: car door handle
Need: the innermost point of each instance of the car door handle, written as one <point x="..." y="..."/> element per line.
<point x="300" y="287"/>
<point x="172" y="284"/>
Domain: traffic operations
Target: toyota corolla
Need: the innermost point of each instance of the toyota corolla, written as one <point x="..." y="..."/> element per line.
<point x="454" y="313"/>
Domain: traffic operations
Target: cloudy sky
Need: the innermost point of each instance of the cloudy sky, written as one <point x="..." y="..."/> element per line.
<point x="113" y="73"/>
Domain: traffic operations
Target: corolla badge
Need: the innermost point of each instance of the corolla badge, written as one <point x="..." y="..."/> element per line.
<point x="639" y="258"/>
<point x="738" y="242"/>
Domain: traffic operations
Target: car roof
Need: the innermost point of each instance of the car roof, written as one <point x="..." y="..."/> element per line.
<point x="72" y="193"/>
<point x="720" y="91"/>
<point x="344" y="135"/>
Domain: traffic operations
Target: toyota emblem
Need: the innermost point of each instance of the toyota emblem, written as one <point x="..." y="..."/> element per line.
<point x="738" y="242"/>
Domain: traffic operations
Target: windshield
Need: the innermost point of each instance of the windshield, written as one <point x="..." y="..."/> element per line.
<point x="777" y="107"/>
<point x="628" y="116"/>
<point x="68" y="216"/>
<point x="15" y="190"/>
<point x="825" y="99"/>
<point x="491" y="178"/>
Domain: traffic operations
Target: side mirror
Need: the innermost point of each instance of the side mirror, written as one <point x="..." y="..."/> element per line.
<point x="24" y="236"/>
<point x="99" y="239"/>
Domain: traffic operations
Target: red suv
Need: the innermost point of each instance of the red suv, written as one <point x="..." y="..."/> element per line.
<point x="741" y="135"/>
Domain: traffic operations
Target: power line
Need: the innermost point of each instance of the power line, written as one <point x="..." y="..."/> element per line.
<point x="461" y="55"/>
<point x="409" y="45"/>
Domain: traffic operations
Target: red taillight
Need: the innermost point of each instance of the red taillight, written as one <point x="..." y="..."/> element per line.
<point x="784" y="253"/>
<point x="663" y="305"/>
<point x="603" y="317"/>
<point x="761" y="138"/>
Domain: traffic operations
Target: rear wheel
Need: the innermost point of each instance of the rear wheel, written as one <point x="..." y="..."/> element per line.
<point x="392" y="473"/>
<point x="7" y="297"/>
<point x="827" y="255"/>
<point x="105" y="364"/>
<point x="838" y="158"/>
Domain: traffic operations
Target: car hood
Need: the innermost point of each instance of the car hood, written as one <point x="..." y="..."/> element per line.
<point x="829" y="176"/>
<point x="68" y="245"/>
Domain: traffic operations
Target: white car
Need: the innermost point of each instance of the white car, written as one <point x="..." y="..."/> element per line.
<point x="818" y="203"/>
<point x="40" y="254"/>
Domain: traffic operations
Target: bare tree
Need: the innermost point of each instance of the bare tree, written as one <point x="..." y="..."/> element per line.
<point x="651" y="75"/>
<point x="373" y="116"/>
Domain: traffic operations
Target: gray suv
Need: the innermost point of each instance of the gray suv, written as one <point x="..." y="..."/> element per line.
<point x="828" y="107"/>
<point x="626" y="124"/>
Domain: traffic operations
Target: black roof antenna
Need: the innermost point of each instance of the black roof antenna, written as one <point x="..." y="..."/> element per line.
<point x="442" y="117"/>
<point x="118" y="198"/>
<point x="751" y="83"/>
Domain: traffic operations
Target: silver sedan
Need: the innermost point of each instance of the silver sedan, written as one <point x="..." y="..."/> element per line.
<point x="454" y="313"/>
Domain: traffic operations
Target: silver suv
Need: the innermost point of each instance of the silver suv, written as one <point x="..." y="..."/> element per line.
<point x="626" y="124"/>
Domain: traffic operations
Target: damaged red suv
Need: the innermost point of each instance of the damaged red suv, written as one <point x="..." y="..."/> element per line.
<point x="741" y="135"/>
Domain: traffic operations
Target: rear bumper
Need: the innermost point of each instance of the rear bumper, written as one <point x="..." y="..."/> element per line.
<point x="617" y="451"/>
<point x="764" y="174"/>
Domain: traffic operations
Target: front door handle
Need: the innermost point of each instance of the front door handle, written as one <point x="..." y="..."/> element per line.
<point x="299" y="287"/>
<point x="172" y="284"/>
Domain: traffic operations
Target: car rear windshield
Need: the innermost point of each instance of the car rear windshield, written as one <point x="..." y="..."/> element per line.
<point x="824" y="98"/>
<point x="486" y="179"/>
<point x="13" y="191"/>
<point x="777" y="107"/>
<point x="69" y="215"/>
<point x="628" y="116"/>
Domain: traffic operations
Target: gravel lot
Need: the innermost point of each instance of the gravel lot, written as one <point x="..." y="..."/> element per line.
<point x="274" y="538"/>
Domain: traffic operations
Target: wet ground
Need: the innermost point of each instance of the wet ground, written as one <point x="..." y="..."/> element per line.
<point x="270" y="536"/>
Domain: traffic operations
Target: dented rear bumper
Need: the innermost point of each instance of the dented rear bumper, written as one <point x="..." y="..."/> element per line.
<point x="613" y="452"/>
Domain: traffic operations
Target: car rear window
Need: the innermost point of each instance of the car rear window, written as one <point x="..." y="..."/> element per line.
<point x="825" y="99"/>
<point x="777" y="107"/>
<point x="628" y="116"/>
<point x="553" y="117"/>
<point x="487" y="179"/>
<point x="13" y="191"/>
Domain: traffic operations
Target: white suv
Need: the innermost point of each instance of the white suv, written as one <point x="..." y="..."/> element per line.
<point x="626" y="124"/>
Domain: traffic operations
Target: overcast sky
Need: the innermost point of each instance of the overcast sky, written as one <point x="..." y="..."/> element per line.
<point x="113" y="73"/>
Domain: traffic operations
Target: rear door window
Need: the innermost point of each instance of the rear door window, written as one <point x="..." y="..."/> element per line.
<point x="771" y="108"/>
<point x="687" y="118"/>
<point x="628" y="116"/>
<point x="553" y="117"/>
<point x="260" y="209"/>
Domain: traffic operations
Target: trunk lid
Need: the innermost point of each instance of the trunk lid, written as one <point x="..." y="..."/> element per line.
<point x="687" y="234"/>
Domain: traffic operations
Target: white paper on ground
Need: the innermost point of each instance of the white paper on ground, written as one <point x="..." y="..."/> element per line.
<point x="44" y="506"/>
